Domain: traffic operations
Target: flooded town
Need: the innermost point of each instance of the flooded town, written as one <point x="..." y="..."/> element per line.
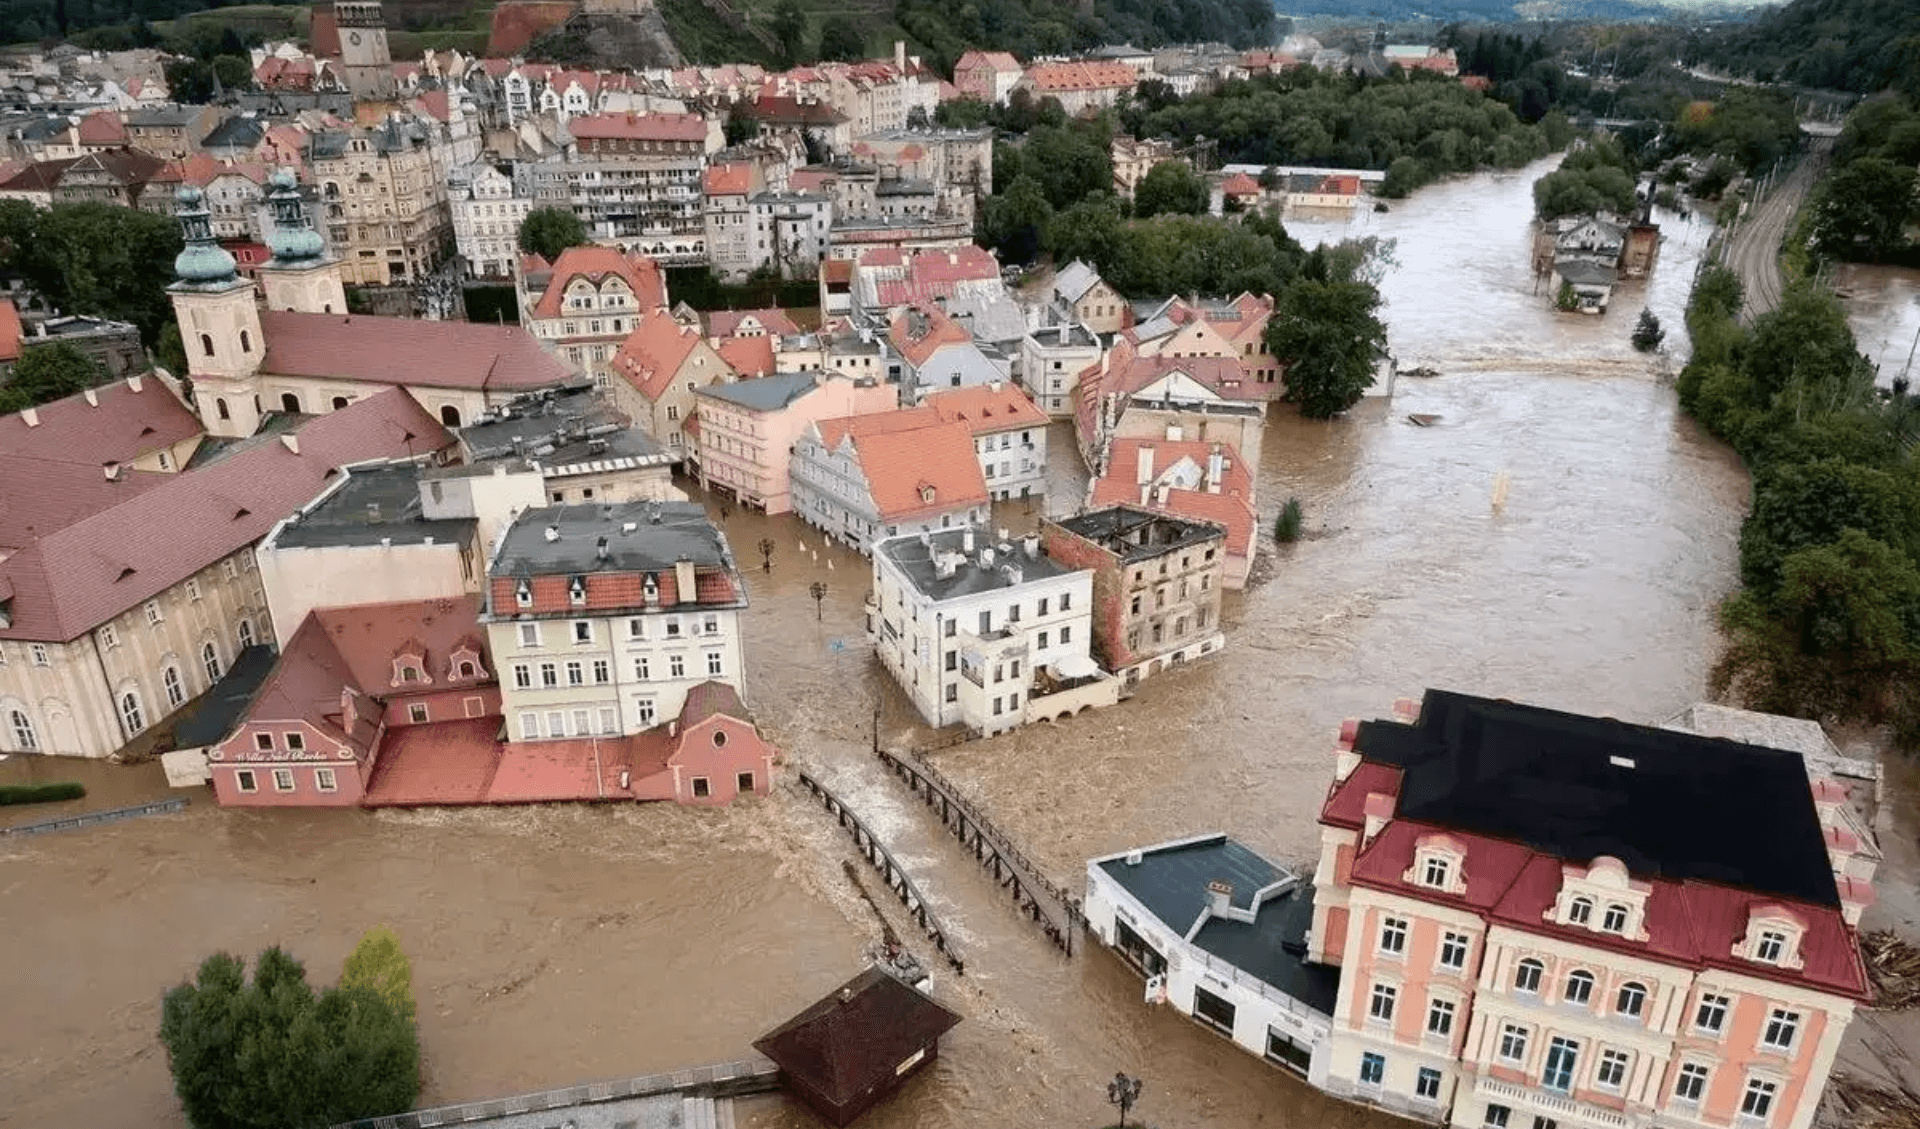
<point x="1518" y="523"/>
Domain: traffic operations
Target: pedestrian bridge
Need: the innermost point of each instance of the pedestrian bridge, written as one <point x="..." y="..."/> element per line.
<point x="694" y="1098"/>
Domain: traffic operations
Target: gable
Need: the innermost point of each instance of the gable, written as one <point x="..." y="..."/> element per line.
<point x="1176" y="385"/>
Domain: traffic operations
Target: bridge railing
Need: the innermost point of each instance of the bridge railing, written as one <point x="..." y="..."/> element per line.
<point x="93" y="818"/>
<point x="725" y="1079"/>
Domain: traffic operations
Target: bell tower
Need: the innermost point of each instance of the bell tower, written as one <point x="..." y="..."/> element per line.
<point x="363" y="48"/>
<point x="301" y="276"/>
<point x="219" y="324"/>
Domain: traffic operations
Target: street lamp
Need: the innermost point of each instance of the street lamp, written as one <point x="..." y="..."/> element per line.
<point x="818" y="590"/>
<point x="1123" y="1092"/>
<point x="766" y="554"/>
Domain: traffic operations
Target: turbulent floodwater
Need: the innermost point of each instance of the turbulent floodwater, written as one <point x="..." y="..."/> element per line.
<point x="552" y="945"/>
<point x="1883" y="305"/>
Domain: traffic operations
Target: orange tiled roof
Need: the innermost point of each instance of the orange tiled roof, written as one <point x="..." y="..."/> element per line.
<point x="987" y="408"/>
<point x="1231" y="508"/>
<point x="748" y="356"/>
<point x="921" y="470"/>
<point x="921" y="331"/>
<point x="655" y="352"/>
<point x="595" y="263"/>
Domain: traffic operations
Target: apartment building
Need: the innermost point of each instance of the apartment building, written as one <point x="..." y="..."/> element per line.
<point x="988" y="76"/>
<point x="486" y="220"/>
<point x="748" y="429"/>
<point x="603" y="618"/>
<point x="1157" y="582"/>
<point x="1009" y="436"/>
<point x="1193" y="480"/>
<point x="656" y="374"/>
<point x="728" y="218"/>
<point x="384" y="192"/>
<point x="587" y="301"/>
<point x="635" y="180"/>
<point x="863" y="479"/>
<point x="984" y="633"/>
<point x="1052" y="357"/>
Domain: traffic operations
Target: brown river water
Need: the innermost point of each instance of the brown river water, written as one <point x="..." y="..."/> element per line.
<point x="560" y="944"/>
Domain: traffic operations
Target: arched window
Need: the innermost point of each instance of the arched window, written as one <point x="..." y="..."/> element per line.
<point x="24" y="738"/>
<point x="246" y="342"/>
<point x="339" y="402"/>
<point x="450" y="416"/>
<point x="1579" y="987"/>
<point x="210" y="658"/>
<point x="220" y="409"/>
<point x="1580" y="912"/>
<point x="289" y="402"/>
<point x="131" y="713"/>
<point x="245" y="631"/>
<point x="206" y="344"/>
<point x="1632" y="999"/>
<point x="466" y="669"/>
<point x="1527" y="977"/>
<point x="1615" y="919"/>
<point x="170" y="680"/>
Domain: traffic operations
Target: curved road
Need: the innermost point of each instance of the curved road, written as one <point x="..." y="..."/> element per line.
<point x="1753" y="247"/>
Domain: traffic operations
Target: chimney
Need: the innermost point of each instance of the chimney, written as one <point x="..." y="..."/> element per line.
<point x="134" y="381"/>
<point x="1345" y="758"/>
<point x="31" y="417"/>
<point x="1219" y="897"/>
<point x="1145" y="474"/>
<point x="112" y="471"/>
<point x="1166" y="488"/>
<point x="551" y="533"/>
<point x="291" y="442"/>
<point x="986" y="559"/>
<point x="683" y="579"/>
<point x="1032" y="545"/>
<point x="900" y="55"/>
<point x="600" y="548"/>
<point x="373" y="511"/>
<point x="944" y="564"/>
<point x="1146" y="493"/>
<point x="966" y="541"/>
<point x="1406" y="710"/>
<point x="93" y="400"/>
<point x="1216" y="465"/>
<point x="1379" y="809"/>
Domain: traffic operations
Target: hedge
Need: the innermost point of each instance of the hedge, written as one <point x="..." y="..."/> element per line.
<point x="41" y="793"/>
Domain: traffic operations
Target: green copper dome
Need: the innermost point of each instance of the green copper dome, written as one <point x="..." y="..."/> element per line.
<point x="202" y="260"/>
<point x="292" y="239"/>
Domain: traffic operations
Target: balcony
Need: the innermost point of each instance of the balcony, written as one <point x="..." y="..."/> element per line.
<point x="1063" y="689"/>
<point x="1563" y="1109"/>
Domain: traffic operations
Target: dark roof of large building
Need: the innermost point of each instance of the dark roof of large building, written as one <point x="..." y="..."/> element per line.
<point x="764" y="394"/>
<point x="1273" y="948"/>
<point x="557" y="428"/>
<point x="1667" y="804"/>
<point x="209" y="720"/>
<point x="1172" y="881"/>
<point x="407" y="352"/>
<point x="854" y="1038"/>
<point x="1136" y="535"/>
<point x="640" y="537"/>
<point x="377" y="503"/>
<point x="917" y="555"/>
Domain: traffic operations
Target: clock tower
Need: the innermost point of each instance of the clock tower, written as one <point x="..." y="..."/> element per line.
<point x="363" y="48"/>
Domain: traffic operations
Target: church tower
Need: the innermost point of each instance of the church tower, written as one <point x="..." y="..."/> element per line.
<point x="363" y="48"/>
<point x="219" y="324"/>
<point x="301" y="276"/>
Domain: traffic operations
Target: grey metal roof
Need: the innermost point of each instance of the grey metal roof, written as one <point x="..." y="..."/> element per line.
<point x="1074" y="280"/>
<point x="763" y="394"/>
<point x="558" y="427"/>
<point x="1273" y="948"/>
<point x="240" y="129"/>
<point x="640" y="537"/>
<point x="916" y="559"/>
<point x="375" y="504"/>
<point x="1580" y="272"/>
<point x="1171" y="881"/>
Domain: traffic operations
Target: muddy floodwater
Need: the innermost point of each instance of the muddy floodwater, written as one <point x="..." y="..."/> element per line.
<point x="1883" y="306"/>
<point x="554" y="945"/>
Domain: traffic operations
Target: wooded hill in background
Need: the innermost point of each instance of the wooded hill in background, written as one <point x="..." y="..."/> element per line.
<point x="1859" y="45"/>
<point x="945" y="30"/>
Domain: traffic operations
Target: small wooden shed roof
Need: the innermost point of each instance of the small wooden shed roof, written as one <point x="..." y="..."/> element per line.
<point x="858" y="1042"/>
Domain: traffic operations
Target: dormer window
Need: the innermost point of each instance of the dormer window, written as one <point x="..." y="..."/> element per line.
<point x="523" y="594"/>
<point x="577" y="591"/>
<point x="1438" y="861"/>
<point x="1774" y="933"/>
<point x="409" y="674"/>
<point x="1615" y="919"/>
<point x="1771" y="948"/>
<point x="1579" y="911"/>
<point x="1436" y="873"/>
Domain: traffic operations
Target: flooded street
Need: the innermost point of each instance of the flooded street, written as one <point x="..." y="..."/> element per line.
<point x="554" y="945"/>
<point x="1883" y="306"/>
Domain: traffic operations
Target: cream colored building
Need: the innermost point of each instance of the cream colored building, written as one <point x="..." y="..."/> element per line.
<point x="486" y="221"/>
<point x="385" y="196"/>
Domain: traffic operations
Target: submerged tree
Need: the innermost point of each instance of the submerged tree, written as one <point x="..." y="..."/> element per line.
<point x="1647" y="332"/>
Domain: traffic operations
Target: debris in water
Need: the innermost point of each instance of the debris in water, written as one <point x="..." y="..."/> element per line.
<point x="1500" y="482"/>
<point x="1422" y="371"/>
<point x="1422" y="419"/>
<point x="1894" y="967"/>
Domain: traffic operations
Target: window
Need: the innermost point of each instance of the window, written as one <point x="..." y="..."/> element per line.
<point x="556" y="723"/>
<point x="608" y="722"/>
<point x="1612" y="1073"/>
<point x="640" y="669"/>
<point x="643" y="709"/>
<point x="131" y="713"/>
<point x="263" y="742"/>
<point x="295" y="742"/>
<point x="713" y="662"/>
<point x="1691" y="1083"/>
<point x="529" y="635"/>
<point x="1453" y="951"/>
<point x="1580" y="912"/>
<point x="581" y="725"/>
<point x="1393" y="935"/>
<point x="1615" y="919"/>
<point x="1043" y="640"/>
<point x="1579" y="988"/>
<point x="529" y="726"/>
<point x="283" y="780"/>
<point x="701" y="788"/>
<point x="1632" y="999"/>
<point x="1772" y="945"/>
<point x="245" y="633"/>
<point x="206" y="347"/>
<point x="523" y="596"/>
<point x="1711" y="1014"/>
<point x="549" y="675"/>
<point x="583" y="631"/>
<point x="1437" y="873"/>
<point x="1066" y="633"/>
<point x="677" y="666"/>
<point x="1757" y="1102"/>
<point x="1426" y="1084"/>
<point x="1526" y="978"/>
<point x="636" y="629"/>
<point x="153" y="612"/>
<point x="244" y="780"/>
<point x="710" y="625"/>
<point x="24" y="739"/>
<point x="1373" y="1068"/>
<point x="1066" y="602"/>
<point x="39" y="653"/>
<point x="1380" y="1005"/>
<point x="409" y="673"/>
<point x="467" y="669"/>
<point x="1513" y="1043"/>
<point x="1563" y="1055"/>
<point x="1440" y="1017"/>
<point x="576" y="674"/>
<point x="416" y="712"/>
<point x="602" y="672"/>
<point x="1782" y="1026"/>
<point x="522" y="676"/>
<point x="1496" y="1117"/>
<point x="170" y="681"/>
<point x="323" y="780"/>
<point x="193" y="588"/>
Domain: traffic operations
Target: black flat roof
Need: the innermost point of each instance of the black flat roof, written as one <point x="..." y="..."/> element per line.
<point x="209" y="720"/>
<point x="377" y="503"/>
<point x="1172" y="881"/>
<point x="1667" y="804"/>
<point x="640" y="537"/>
<point x="1135" y="535"/>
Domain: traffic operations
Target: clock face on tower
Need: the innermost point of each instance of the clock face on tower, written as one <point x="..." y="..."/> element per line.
<point x="353" y="38"/>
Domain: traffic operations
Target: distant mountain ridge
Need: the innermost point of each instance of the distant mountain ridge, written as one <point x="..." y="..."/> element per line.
<point x="1506" y="11"/>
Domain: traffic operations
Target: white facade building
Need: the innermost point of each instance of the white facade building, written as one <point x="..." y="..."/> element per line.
<point x="486" y="220"/>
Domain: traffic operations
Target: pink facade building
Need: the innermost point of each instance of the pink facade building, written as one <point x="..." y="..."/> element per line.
<point x="748" y="429"/>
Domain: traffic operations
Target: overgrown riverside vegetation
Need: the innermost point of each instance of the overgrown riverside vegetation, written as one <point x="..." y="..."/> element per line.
<point x="1827" y="622"/>
<point x="1597" y="176"/>
<point x="1862" y="210"/>
<point x="271" y="1053"/>
<point x="40" y="793"/>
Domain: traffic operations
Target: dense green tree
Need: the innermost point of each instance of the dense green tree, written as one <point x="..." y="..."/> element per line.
<point x="48" y="372"/>
<point x="1330" y="337"/>
<point x="1797" y="505"/>
<point x="1748" y="126"/>
<point x="102" y="260"/>
<point x="1070" y="163"/>
<point x="841" y="39"/>
<point x="741" y="126"/>
<point x="1170" y="188"/>
<point x="1597" y="176"/>
<point x="1015" y="222"/>
<point x="273" y="1054"/>
<point x="965" y="113"/>
<point x="789" y="30"/>
<point x="1864" y="210"/>
<point x="1647" y="333"/>
<point x="1089" y="230"/>
<point x="378" y="964"/>
<point x="548" y="231"/>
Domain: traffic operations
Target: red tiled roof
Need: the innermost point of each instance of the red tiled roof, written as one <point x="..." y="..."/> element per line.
<point x="42" y="496"/>
<point x="1346" y="803"/>
<point x="998" y="60"/>
<point x="433" y="104"/>
<point x="405" y="351"/>
<point x="810" y="180"/>
<point x="785" y="110"/>
<point x="547" y="771"/>
<point x="1049" y="77"/>
<point x="596" y="264"/>
<point x="1231" y="508"/>
<point x="726" y="323"/>
<point x="308" y="683"/>
<point x="118" y="427"/>
<point x="709" y="698"/>
<point x="369" y="637"/>
<point x="921" y="331"/>
<point x="9" y="330"/>
<point x="71" y="581"/>
<point x="836" y="271"/>
<point x="832" y="431"/>
<point x="748" y="356"/>
<point x="729" y="179"/>
<point x="103" y="127"/>
<point x="987" y="408"/>
<point x="639" y="127"/>
<point x="901" y="465"/>
<point x="653" y="354"/>
<point x="442" y="762"/>
<point x="1240" y="184"/>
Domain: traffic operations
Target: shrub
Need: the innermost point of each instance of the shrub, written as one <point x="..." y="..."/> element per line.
<point x="1286" y="528"/>
<point x="41" y="793"/>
